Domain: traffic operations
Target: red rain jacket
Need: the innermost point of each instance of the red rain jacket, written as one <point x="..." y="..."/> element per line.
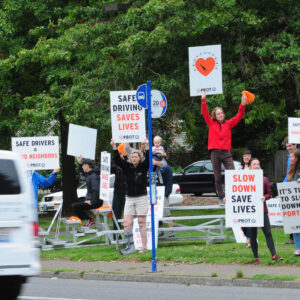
<point x="219" y="136"/>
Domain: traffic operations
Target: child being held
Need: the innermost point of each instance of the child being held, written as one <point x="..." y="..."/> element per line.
<point x="158" y="151"/>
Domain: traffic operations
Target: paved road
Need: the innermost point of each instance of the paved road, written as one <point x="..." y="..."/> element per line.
<point x="66" y="289"/>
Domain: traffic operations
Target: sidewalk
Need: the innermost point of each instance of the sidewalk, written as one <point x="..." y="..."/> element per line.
<point x="202" y="274"/>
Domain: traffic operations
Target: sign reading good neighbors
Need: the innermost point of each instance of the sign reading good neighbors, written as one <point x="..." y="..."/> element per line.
<point x="289" y="195"/>
<point x="104" y="176"/>
<point x="39" y="153"/>
<point x="274" y="211"/>
<point x="158" y="211"/>
<point x="82" y="141"/>
<point x="127" y="117"/>
<point x="244" y="190"/>
<point x="294" y="130"/>
<point x="205" y="66"/>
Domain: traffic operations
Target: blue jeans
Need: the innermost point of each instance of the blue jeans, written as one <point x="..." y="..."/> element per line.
<point x="297" y="241"/>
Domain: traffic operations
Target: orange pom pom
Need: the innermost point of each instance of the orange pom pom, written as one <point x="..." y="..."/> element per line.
<point x="73" y="218"/>
<point x="121" y="149"/>
<point x="249" y="97"/>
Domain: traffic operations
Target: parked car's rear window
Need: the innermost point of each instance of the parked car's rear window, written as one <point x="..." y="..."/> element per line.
<point x="9" y="181"/>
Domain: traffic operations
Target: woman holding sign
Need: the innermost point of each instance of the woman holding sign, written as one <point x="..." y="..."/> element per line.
<point x="255" y="165"/>
<point x="294" y="175"/>
<point x="219" y="139"/>
<point x="136" y="200"/>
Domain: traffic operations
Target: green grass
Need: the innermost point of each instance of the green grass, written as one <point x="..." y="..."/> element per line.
<point x="194" y="252"/>
<point x="275" y="277"/>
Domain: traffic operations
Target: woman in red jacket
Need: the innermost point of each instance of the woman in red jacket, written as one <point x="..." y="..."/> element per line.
<point x="219" y="139"/>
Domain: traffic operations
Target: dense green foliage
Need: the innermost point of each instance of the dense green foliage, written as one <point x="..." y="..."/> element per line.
<point x="59" y="60"/>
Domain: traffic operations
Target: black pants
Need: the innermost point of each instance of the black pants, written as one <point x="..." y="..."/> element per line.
<point x="219" y="157"/>
<point x="118" y="205"/>
<point x="81" y="207"/>
<point x="268" y="235"/>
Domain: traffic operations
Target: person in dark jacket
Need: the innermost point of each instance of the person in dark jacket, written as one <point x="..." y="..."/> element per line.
<point x="119" y="197"/>
<point x="255" y="165"/>
<point x="219" y="140"/>
<point x="136" y="200"/>
<point x="91" y="201"/>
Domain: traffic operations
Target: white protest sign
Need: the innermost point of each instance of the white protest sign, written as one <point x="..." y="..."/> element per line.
<point x="205" y="68"/>
<point x="82" y="141"/>
<point x="289" y="196"/>
<point x="39" y="153"/>
<point x="244" y="190"/>
<point x="294" y="130"/>
<point x="158" y="213"/>
<point x="127" y="117"/>
<point x="104" y="176"/>
<point x="239" y="235"/>
<point x="274" y="211"/>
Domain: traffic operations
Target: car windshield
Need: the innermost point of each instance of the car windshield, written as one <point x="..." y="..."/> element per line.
<point x="9" y="180"/>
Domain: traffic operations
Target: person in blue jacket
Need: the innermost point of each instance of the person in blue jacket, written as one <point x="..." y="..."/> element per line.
<point x="39" y="181"/>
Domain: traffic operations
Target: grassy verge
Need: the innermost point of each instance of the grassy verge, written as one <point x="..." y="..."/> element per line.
<point x="195" y="251"/>
<point x="276" y="277"/>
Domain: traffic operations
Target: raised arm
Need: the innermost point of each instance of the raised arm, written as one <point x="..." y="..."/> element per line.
<point x="204" y="110"/>
<point x="239" y="116"/>
<point x="117" y="158"/>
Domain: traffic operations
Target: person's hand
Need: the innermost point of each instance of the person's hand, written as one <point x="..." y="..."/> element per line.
<point x="79" y="159"/>
<point x="55" y="171"/>
<point x="203" y="96"/>
<point x="88" y="202"/>
<point x="298" y="180"/>
<point x="157" y="163"/>
<point x="224" y="200"/>
<point x="243" y="99"/>
<point x="146" y="144"/>
<point x="263" y="199"/>
<point x="113" y="144"/>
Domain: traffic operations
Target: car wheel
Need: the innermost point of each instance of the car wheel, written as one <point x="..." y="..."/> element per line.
<point x="11" y="287"/>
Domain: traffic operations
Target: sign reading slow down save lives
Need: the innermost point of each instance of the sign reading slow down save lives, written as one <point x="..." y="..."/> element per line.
<point x="244" y="192"/>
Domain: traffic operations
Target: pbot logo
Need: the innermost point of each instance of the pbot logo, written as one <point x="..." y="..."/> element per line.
<point x="235" y="221"/>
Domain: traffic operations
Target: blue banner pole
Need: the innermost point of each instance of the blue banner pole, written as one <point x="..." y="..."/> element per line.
<point x="154" y="269"/>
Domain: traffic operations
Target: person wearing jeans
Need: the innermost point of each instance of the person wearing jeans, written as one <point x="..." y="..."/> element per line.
<point x="219" y="139"/>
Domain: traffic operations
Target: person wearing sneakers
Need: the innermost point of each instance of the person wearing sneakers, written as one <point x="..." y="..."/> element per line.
<point x="255" y="165"/>
<point x="91" y="201"/>
<point x="136" y="200"/>
<point x="294" y="175"/>
<point x="219" y="139"/>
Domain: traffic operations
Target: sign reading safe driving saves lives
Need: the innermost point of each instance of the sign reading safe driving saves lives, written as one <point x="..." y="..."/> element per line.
<point x="127" y="117"/>
<point x="244" y="192"/>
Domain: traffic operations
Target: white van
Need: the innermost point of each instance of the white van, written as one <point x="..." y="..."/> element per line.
<point x="19" y="244"/>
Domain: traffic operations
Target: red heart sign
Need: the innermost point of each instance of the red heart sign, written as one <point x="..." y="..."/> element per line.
<point x="205" y="66"/>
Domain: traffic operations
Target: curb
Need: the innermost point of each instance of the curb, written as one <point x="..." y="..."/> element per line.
<point x="209" y="281"/>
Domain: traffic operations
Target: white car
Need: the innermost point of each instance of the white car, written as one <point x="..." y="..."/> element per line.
<point x="51" y="202"/>
<point x="19" y="243"/>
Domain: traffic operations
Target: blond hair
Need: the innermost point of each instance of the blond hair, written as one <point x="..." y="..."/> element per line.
<point x="158" y="138"/>
<point x="138" y="153"/>
<point x="213" y="113"/>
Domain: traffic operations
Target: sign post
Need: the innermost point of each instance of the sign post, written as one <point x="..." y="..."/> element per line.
<point x="144" y="98"/>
